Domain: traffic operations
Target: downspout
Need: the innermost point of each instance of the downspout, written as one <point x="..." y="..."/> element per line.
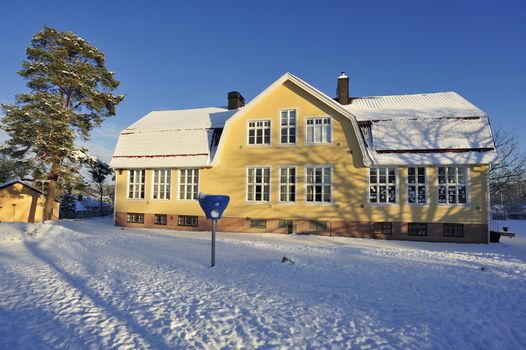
<point x="115" y="198"/>
<point x="488" y="207"/>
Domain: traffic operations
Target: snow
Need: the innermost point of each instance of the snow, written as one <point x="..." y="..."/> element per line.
<point x="432" y="105"/>
<point x="180" y="138"/>
<point x="198" y="118"/>
<point x="410" y="134"/>
<point x="87" y="284"/>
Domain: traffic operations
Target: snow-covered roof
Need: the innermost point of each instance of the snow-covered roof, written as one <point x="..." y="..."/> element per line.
<point x="431" y="133"/>
<point x="432" y="105"/>
<point x="426" y="129"/>
<point x="181" y="138"/>
<point x="198" y="118"/>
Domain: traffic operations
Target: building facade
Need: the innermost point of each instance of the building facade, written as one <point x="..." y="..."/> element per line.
<point x="410" y="167"/>
<point x="21" y="202"/>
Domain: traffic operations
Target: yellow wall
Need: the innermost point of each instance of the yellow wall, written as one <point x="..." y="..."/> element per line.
<point x="21" y="204"/>
<point x="350" y="177"/>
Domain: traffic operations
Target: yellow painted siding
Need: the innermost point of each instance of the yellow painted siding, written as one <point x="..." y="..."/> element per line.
<point x="350" y="177"/>
<point x="18" y="203"/>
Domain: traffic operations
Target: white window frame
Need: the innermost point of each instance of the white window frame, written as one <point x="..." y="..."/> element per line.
<point x="167" y="185"/>
<point x="249" y="183"/>
<point x="288" y="184"/>
<point x="447" y="185"/>
<point x="133" y="185"/>
<point x="378" y="184"/>
<point x="255" y="128"/>
<point x="327" y="140"/>
<point x="194" y="186"/>
<point x="418" y="185"/>
<point x="322" y="184"/>
<point x="288" y="126"/>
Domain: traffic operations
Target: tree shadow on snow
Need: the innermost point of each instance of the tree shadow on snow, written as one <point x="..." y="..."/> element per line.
<point x="81" y="285"/>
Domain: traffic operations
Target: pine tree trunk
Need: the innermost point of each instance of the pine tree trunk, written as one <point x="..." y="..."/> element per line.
<point x="50" y="197"/>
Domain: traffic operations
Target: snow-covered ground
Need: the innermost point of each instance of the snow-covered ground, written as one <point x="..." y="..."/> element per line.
<point x="87" y="284"/>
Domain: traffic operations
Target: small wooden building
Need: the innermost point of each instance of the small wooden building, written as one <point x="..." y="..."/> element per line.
<point x="21" y="202"/>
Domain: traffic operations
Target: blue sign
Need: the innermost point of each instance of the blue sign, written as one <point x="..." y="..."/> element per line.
<point x="213" y="205"/>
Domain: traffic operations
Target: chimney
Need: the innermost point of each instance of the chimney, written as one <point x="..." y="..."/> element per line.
<point x="343" y="89"/>
<point x="235" y="100"/>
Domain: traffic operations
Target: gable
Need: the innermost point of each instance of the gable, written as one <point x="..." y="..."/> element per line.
<point x="289" y="92"/>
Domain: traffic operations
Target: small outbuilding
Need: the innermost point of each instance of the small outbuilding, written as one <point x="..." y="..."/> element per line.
<point x="21" y="202"/>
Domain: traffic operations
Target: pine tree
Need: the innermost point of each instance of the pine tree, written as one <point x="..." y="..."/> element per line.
<point x="71" y="92"/>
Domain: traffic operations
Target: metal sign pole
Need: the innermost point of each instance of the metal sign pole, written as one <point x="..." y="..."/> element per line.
<point x="213" y="243"/>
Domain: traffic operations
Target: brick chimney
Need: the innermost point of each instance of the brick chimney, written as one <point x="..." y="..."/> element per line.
<point x="235" y="100"/>
<point x="343" y="89"/>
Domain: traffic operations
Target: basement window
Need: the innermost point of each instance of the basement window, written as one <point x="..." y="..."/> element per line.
<point x="383" y="228"/>
<point x="187" y="220"/>
<point x="316" y="225"/>
<point x="160" y="219"/>
<point x="136" y="218"/>
<point x="258" y="223"/>
<point x="453" y="230"/>
<point x="417" y="229"/>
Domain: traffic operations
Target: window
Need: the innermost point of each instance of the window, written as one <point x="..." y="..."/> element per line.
<point x="416" y="229"/>
<point x="452" y="185"/>
<point x="319" y="182"/>
<point x="160" y="219"/>
<point x="136" y="184"/>
<point x="287" y="184"/>
<point x="285" y="223"/>
<point x="137" y="218"/>
<point x="258" y="223"/>
<point x="161" y="184"/>
<point x="382" y="185"/>
<point x="288" y="127"/>
<point x="258" y="184"/>
<point x="318" y="130"/>
<point x="383" y="228"/>
<point x="259" y="132"/>
<point x="316" y="225"/>
<point x="186" y="220"/>
<point x="188" y="184"/>
<point x="453" y="230"/>
<point x="416" y="185"/>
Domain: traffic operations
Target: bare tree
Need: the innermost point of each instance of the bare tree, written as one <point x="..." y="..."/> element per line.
<point x="510" y="169"/>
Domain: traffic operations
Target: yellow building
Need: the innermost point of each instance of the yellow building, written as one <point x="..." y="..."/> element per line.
<point x="296" y="160"/>
<point x="21" y="202"/>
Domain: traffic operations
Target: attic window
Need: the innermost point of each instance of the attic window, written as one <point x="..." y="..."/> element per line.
<point x="259" y="132"/>
<point x="318" y="130"/>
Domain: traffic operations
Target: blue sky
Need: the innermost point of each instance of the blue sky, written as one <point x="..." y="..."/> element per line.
<point x="186" y="54"/>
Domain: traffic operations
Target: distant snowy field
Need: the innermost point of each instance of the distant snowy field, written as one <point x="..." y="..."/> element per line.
<point x="87" y="284"/>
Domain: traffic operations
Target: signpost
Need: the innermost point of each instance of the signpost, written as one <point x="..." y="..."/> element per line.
<point x="213" y="206"/>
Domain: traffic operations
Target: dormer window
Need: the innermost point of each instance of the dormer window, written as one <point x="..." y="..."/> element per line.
<point x="259" y="132"/>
